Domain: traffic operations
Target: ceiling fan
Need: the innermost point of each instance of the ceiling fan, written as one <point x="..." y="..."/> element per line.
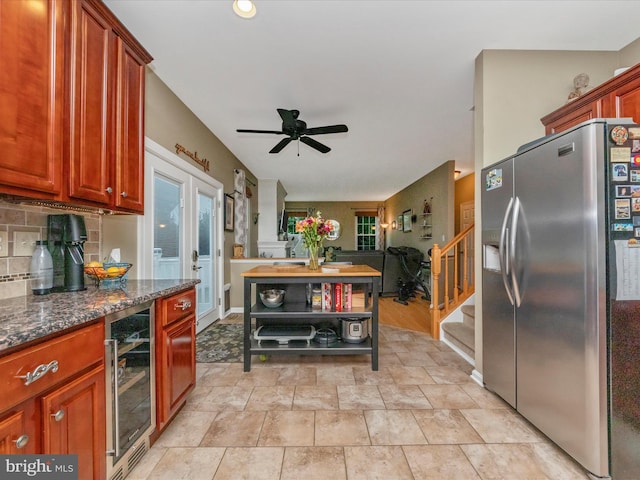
<point x="297" y="130"/>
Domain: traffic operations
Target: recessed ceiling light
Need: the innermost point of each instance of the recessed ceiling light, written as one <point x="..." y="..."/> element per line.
<point x="244" y="8"/>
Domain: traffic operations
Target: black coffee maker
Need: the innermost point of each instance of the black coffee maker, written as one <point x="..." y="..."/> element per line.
<point x="68" y="233"/>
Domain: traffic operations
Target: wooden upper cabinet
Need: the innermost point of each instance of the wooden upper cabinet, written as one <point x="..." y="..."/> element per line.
<point x="32" y="44"/>
<point x="107" y="105"/>
<point x="618" y="97"/>
<point x="129" y="165"/>
<point x="91" y="95"/>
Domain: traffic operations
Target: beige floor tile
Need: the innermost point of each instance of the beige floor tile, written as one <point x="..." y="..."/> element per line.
<point x="321" y="397"/>
<point x="501" y="426"/>
<point x="376" y="463"/>
<point x="288" y="428"/>
<point x="263" y="377"/>
<point x="446" y="427"/>
<point x="359" y="397"/>
<point x="439" y="462"/>
<point x="296" y="375"/>
<point x="221" y="374"/>
<point x="448" y="375"/>
<point x="403" y="397"/>
<point x="483" y="397"/>
<point x="234" y="429"/>
<point x="556" y="463"/>
<point x="313" y="463"/>
<point x="506" y="461"/>
<point x="328" y="374"/>
<point x="409" y="375"/>
<point x="187" y="429"/>
<point x="393" y="347"/>
<point x="393" y="427"/>
<point x="188" y="463"/>
<point x="388" y="359"/>
<point x="447" y="396"/>
<point x="341" y="427"/>
<point x="147" y="464"/>
<point x="219" y="398"/>
<point x="251" y="464"/>
<point x="416" y="359"/>
<point x="366" y="376"/>
<point x="271" y="398"/>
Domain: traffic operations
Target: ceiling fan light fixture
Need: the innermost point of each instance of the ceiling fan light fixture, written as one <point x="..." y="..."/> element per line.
<point x="244" y="8"/>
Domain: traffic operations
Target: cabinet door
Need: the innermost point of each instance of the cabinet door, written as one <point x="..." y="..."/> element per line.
<point x="574" y="117"/>
<point x="92" y="87"/>
<point x="129" y="165"/>
<point x="178" y="371"/>
<point x="31" y="97"/>
<point x="74" y="422"/>
<point x="627" y="100"/>
<point x="18" y="433"/>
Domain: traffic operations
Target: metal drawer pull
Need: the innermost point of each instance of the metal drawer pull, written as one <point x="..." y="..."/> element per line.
<point x="183" y="305"/>
<point x="59" y="415"/>
<point x="22" y="441"/>
<point x="40" y="371"/>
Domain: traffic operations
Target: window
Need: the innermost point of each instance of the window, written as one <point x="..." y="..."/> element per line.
<point x="292" y="219"/>
<point x="366" y="231"/>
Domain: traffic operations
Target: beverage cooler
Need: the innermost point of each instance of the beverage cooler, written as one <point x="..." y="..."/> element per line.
<point x="130" y="386"/>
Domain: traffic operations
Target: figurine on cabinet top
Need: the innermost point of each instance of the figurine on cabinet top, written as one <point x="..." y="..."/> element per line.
<point x="580" y="86"/>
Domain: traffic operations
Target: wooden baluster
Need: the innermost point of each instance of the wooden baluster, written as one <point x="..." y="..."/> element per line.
<point x="435" y="275"/>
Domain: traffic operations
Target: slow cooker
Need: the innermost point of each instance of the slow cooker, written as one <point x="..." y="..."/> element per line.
<point x="354" y="330"/>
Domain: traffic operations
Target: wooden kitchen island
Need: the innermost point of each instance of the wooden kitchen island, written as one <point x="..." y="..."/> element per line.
<point x="295" y="310"/>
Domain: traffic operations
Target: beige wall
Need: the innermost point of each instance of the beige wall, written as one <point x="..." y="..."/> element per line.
<point x="438" y="184"/>
<point x="168" y="121"/>
<point x="343" y="212"/>
<point x="512" y="91"/>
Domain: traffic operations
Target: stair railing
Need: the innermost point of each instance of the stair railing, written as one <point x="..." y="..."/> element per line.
<point x="457" y="272"/>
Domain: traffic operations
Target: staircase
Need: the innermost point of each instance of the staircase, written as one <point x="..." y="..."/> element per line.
<point x="461" y="335"/>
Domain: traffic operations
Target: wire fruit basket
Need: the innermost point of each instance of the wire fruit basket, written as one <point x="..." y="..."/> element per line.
<point x="108" y="274"/>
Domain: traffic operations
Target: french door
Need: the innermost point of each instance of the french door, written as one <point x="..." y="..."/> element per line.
<point x="182" y="225"/>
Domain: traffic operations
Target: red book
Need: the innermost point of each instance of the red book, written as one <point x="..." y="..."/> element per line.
<point x="326" y="296"/>
<point x="337" y="296"/>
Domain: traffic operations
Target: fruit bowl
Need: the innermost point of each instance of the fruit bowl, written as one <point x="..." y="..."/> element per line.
<point x="107" y="274"/>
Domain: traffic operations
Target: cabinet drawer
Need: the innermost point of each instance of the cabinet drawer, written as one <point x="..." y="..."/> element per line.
<point x="178" y="306"/>
<point x="73" y="352"/>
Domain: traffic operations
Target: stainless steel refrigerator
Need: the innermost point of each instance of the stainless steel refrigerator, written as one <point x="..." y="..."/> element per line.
<point x="561" y="290"/>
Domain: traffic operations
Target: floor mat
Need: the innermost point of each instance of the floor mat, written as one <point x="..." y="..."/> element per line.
<point x="220" y="343"/>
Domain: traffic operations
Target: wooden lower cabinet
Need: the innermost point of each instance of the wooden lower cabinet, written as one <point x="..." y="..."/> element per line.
<point x="63" y="410"/>
<point x="73" y="422"/>
<point x="175" y="355"/>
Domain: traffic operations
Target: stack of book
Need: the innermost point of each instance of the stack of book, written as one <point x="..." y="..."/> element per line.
<point x="337" y="296"/>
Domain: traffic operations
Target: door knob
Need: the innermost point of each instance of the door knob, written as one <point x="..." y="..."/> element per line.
<point x="195" y="268"/>
<point x="59" y="415"/>
<point x="22" y="441"/>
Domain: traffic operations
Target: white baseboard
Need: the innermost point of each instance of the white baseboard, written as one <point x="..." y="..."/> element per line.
<point x="476" y="376"/>
<point x="234" y="310"/>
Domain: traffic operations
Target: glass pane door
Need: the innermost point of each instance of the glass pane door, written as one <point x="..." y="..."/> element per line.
<point x="167" y="215"/>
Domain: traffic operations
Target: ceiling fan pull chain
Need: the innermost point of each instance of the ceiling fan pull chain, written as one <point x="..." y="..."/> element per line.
<point x="298" y="147"/>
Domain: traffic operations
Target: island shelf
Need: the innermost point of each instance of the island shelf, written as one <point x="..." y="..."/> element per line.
<point x="296" y="311"/>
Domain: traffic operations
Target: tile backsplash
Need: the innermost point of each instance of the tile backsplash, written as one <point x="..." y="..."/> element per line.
<point x="14" y="264"/>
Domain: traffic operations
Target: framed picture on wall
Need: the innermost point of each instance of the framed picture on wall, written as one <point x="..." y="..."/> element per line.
<point x="406" y="221"/>
<point x="399" y="222"/>
<point x="228" y="212"/>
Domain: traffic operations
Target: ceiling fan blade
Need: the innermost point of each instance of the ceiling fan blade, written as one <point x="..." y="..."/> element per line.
<point x="327" y="129"/>
<point x="243" y="130"/>
<point x="315" y="144"/>
<point x="288" y="118"/>
<point x="281" y="144"/>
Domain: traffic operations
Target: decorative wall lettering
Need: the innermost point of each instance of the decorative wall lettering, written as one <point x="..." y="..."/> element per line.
<point x="203" y="162"/>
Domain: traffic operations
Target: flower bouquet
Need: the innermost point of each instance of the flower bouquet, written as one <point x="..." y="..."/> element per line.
<point x="314" y="230"/>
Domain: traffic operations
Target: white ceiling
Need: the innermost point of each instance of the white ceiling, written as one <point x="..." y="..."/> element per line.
<point x="399" y="74"/>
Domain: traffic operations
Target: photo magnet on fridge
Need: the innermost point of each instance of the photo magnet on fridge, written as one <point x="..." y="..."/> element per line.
<point x="623" y="190"/>
<point x="619" y="172"/>
<point x="623" y="208"/>
<point x="634" y="176"/>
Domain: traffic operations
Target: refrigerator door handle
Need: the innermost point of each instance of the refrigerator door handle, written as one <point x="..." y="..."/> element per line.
<point x="512" y="252"/>
<point x="503" y="251"/>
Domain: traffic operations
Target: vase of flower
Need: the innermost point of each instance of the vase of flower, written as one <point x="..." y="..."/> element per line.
<point x="314" y="230"/>
<point x="313" y="257"/>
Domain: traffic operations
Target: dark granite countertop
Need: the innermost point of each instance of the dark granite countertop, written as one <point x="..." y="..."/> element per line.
<point x="32" y="317"/>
